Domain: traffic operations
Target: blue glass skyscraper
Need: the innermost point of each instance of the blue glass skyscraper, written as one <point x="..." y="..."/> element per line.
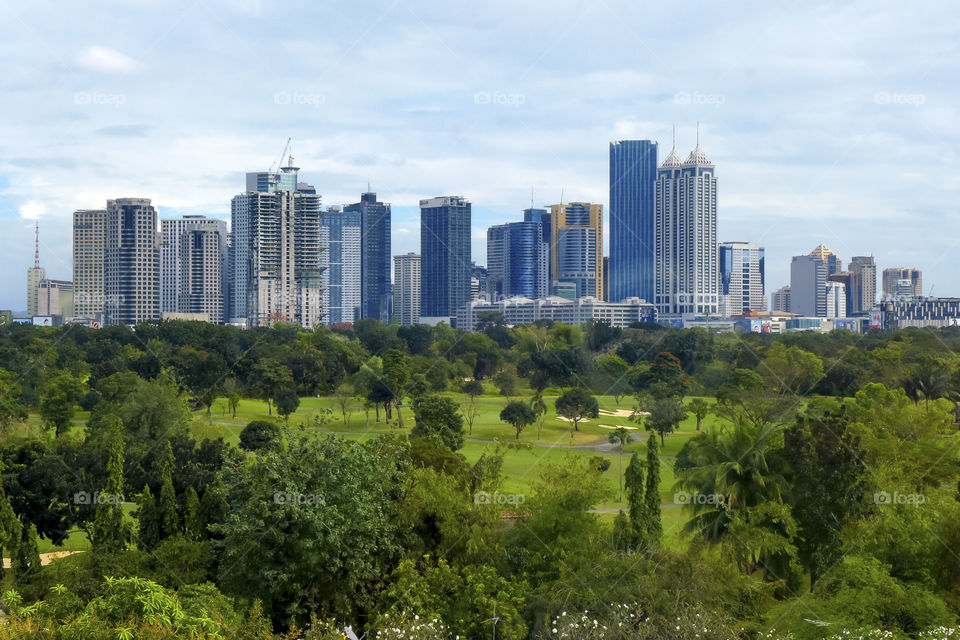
<point x="517" y="260"/>
<point x="444" y="256"/>
<point x="375" y="256"/>
<point x="633" y="173"/>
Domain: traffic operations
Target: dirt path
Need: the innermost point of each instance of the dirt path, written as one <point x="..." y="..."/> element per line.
<point x="45" y="558"/>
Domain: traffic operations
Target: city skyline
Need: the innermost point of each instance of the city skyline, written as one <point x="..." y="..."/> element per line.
<point x="813" y="148"/>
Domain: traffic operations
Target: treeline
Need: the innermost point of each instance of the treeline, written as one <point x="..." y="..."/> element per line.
<point x="823" y="496"/>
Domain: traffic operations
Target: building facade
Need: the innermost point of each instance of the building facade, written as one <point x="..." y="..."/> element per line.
<point x="89" y="257"/>
<point x="577" y="247"/>
<point x="55" y="298"/>
<point x="919" y="312"/>
<point x="780" y="300"/>
<point x="892" y="287"/>
<point x="131" y="262"/>
<point x="275" y="263"/>
<point x="686" y="265"/>
<point x="808" y="286"/>
<point x="406" y="289"/>
<point x="520" y="311"/>
<point x="863" y="285"/>
<point x="741" y="278"/>
<point x="836" y="294"/>
<point x="516" y="261"/>
<point x="171" y="269"/>
<point x="200" y="280"/>
<point x="374" y="254"/>
<point x="342" y="265"/>
<point x="445" y="256"/>
<point x="830" y="259"/>
<point x="633" y="174"/>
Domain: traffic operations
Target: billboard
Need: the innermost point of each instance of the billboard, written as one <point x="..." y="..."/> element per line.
<point x="5" y="316"/>
<point x="876" y="320"/>
<point x="43" y="321"/>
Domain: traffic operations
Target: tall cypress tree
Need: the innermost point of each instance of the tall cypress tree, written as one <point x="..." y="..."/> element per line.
<point x="148" y="536"/>
<point x="652" y="495"/>
<point x="633" y="483"/>
<point x="169" y="520"/>
<point x="213" y="507"/>
<point x="109" y="533"/>
<point x="192" y="527"/>
<point x="11" y="529"/>
<point x="25" y="560"/>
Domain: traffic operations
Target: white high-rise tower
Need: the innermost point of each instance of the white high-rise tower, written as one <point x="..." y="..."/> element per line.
<point x="686" y="260"/>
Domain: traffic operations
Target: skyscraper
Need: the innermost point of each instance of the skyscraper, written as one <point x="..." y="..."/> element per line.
<point x="633" y="174"/>
<point x="406" y="289"/>
<point x="445" y="256"/>
<point x="741" y="278"/>
<point x="375" y="256"/>
<point x="892" y="278"/>
<point x="829" y="258"/>
<point x="276" y="251"/>
<point x="863" y="279"/>
<point x="171" y="230"/>
<point x="808" y="286"/>
<point x="836" y="298"/>
<point x="780" y="299"/>
<point x="516" y="261"/>
<point x="686" y="265"/>
<point x="201" y="265"/>
<point x="577" y="247"/>
<point x="35" y="275"/>
<point x="89" y="247"/>
<point x="131" y="262"/>
<point x="341" y="233"/>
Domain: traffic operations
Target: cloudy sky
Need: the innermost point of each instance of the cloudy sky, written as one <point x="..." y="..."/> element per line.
<point x="834" y="124"/>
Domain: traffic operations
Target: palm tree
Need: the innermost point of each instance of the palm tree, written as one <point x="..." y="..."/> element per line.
<point x="539" y="409"/>
<point x="729" y="470"/>
<point x="928" y="380"/>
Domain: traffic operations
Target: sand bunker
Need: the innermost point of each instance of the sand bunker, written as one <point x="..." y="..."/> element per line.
<point x="619" y="413"/>
<point x="607" y="426"/>
<point x="582" y="420"/>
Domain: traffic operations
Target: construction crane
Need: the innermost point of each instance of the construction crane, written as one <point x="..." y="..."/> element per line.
<point x="275" y="167"/>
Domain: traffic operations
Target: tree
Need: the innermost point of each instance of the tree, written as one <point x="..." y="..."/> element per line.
<point x="699" y="408"/>
<point x="519" y="415"/>
<point x="665" y="415"/>
<point x="11" y="528"/>
<point x="109" y="533"/>
<point x="438" y="417"/>
<point x="612" y="377"/>
<point x="233" y="399"/>
<point x="663" y="378"/>
<point x="620" y="437"/>
<point x="506" y="382"/>
<point x="259" y="434"/>
<point x="344" y="395"/>
<point x="269" y="376"/>
<point x="10" y="408"/>
<point x="148" y="521"/>
<point x="167" y="505"/>
<point x="652" y="493"/>
<point x="26" y="559"/>
<point x="287" y="402"/>
<point x="396" y="371"/>
<point x="927" y="380"/>
<point x="335" y="501"/>
<point x="472" y="388"/>
<point x="192" y="527"/>
<point x="539" y="410"/>
<point x="577" y="404"/>
<point x="60" y="397"/>
<point x="636" y="505"/>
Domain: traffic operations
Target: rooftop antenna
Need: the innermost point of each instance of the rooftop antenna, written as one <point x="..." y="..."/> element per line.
<point x="698" y="134"/>
<point x="561" y="196"/>
<point x="674" y="135"/>
<point x="36" y="244"/>
<point x="368" y="184"/>
<point x="531" y="196"/>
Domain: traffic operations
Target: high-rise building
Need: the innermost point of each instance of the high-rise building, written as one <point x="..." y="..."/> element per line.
<point x="863" y="284"/>
<point x="780" y="299"/>
<point x="444" y="256"/>
<point x="375" y="256"/>
<point x="35" y="275"/>
<point x="89" y="257"/>
<point x="406" y="289"/>
<point x="836" y="297"/>
<point x="848" y="280"/>
<point x="201" y="263"/>
<point x="171" y="270"/>
<point x="686" y="265"/>
<point x="543" y="216"/>
<point x="341" y="233"/>
<point x="131" y="262"/>
<point x="633" y="175"/>
<point x="577" y="247"/>
<point x="808" y="286"/>
<point x="829" y="258"/>
<point x="275" y="265"/>
<point x="741" y="278"/>
<point x="516" y="261"/>
<point x="892" y="278"/>
<point x="55" y="298"/>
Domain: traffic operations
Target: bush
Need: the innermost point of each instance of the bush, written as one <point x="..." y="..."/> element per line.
<point x="259" y="434"/>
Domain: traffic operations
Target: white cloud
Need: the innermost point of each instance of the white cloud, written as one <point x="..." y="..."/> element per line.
<point x="32" y="210"/>
<point x="106" y="60"/>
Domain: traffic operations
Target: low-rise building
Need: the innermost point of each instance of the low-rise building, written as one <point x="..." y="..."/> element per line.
<point x="519" y="311"/>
